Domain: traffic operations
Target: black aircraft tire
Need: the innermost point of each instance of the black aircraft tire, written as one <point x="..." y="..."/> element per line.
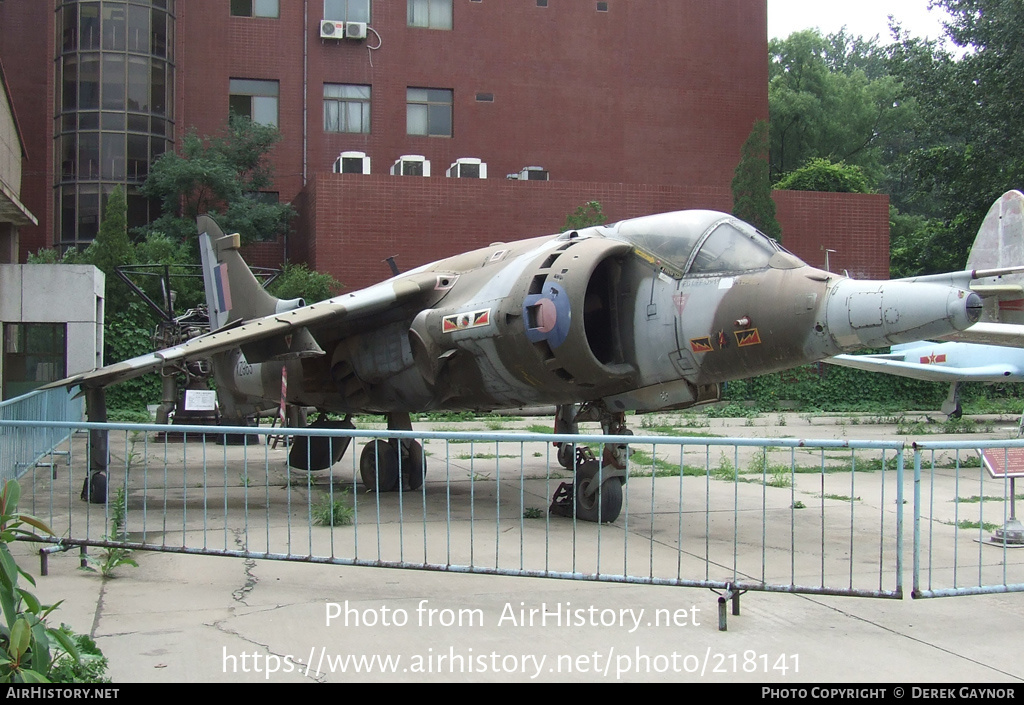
<point x="566" y="451"/>
<point x="607" y="501"/>
<point x="414" y="465"/>
<point x="378" y="466"/>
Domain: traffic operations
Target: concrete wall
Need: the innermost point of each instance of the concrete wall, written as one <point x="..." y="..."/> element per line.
<point x="48" y="293"/>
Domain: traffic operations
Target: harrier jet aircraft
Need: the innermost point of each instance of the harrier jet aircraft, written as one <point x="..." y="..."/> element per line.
<point x="995" y="356"/>
<point x="647" y="314"/>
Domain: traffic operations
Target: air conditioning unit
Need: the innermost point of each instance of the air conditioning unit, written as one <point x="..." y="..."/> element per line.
<point x="355" y="30"/>
<point x="467" y="168"/>
<point x="329" y="29"/>
<point x="411" y="165"/>
<point x="534" y="173"/>
<point x="352" y="163"/>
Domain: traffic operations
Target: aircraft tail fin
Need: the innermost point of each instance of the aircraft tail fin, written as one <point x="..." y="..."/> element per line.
<point x="1000" y="244"/>
<point x="232" y="291"/>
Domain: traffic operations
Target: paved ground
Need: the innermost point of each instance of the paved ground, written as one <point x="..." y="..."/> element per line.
<point x="186" y="618"/>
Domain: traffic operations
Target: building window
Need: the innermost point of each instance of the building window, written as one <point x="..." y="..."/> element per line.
<point x="429" y="112"/>
<point x="256" y="100"/>
<point x="115" y="74"/>
<point x="347" y="10"/>
<point x="346" y="108"/>
<point x="432" y="14"/>
<point x="33" y="354"/>
<point x="255" y="8"/>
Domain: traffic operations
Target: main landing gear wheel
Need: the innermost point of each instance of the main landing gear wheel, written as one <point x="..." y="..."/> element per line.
<point x="378" y="466"/>
<point x="414" y="466"/>
<point x="381" y="471"/>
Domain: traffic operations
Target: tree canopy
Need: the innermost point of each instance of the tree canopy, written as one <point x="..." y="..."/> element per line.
<point x="820" y="174"/>
<point x="933" y="124"/>
<point x="226" y="175"/>
<point x="751" y="186"/>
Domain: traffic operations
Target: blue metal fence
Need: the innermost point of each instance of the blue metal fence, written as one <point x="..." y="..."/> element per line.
<point x="35" y="445"/>
<point x="730" y="514"/>
<point x="966" y="537"/>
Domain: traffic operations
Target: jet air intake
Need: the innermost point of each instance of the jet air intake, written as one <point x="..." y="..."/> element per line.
<point x="558" y="329"/>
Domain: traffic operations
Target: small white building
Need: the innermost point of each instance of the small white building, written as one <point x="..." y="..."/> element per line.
<point x="52" y="321"/>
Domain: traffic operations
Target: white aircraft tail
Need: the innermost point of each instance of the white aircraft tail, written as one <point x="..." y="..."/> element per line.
<point x="1000" y="244"/>
<point x="232" y="291"/>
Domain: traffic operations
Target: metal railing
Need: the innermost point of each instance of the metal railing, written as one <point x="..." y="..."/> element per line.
<point x="965" y="536"/>
<point x="35" y="445"/>
<point x="781" y="515"/>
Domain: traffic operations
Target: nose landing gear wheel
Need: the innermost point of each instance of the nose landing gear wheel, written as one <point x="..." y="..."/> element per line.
<point x="598" y="504"/>
<point x="378" y="466"/>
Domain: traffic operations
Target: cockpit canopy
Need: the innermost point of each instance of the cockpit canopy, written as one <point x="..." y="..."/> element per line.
<point x="696" y="242"/>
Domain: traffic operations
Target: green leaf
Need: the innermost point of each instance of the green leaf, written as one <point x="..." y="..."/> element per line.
<point x="66" y="643"/>
<point x="12" y="493"/>
<point x="21" y="637"/>
<point x="38" y="523"/>
<point x="34" y="606"/>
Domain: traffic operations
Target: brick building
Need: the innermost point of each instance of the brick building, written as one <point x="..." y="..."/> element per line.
<point x="642" y="105"/>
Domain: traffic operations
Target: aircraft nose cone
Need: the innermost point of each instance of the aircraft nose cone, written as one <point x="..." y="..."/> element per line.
<point x="878" y="313"/>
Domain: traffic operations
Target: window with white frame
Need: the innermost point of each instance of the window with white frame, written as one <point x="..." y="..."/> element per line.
<point x="347" y="10"/>
<point x="255" y="8"/>
<point x="432" y="14"/>
<point x="429" y="112"/>
<point x="346" y="108"/>
<point x="254" y="99"/>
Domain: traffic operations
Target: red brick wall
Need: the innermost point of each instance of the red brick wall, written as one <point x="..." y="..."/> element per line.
<point x="351" y="223"/>
<point x="856" y="226"/>
<point x="648" y="92"/>
<point x="26" y="31"/>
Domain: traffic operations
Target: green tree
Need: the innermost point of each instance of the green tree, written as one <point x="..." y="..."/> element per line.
<point x="585" y="216"/>
<point x="822" y="175"/>
<point x="299" y="281"/>
<point x="112" y="248"/>
<point x="833" y="97"/>
<point x="225" y="175"/>
<point x="751" y="188"/>
<point x="971" y="146"/>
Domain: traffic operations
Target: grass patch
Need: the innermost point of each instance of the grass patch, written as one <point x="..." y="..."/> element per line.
<point x="644" y="465"/>
<point x="336" y="512"/>
<point x="975" y="499"/>
<point x="968" y="525"/>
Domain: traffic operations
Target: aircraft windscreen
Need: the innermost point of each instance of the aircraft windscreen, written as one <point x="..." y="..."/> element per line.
<point x="728" y="249"/>
<point x="699" y="242"/>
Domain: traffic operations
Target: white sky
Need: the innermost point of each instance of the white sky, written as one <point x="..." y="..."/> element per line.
<point x="861" y="17"/>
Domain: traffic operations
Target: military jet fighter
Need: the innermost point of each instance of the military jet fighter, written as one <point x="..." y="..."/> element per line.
<point x="995" y="355"/>
<point x="648" y="314"/>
